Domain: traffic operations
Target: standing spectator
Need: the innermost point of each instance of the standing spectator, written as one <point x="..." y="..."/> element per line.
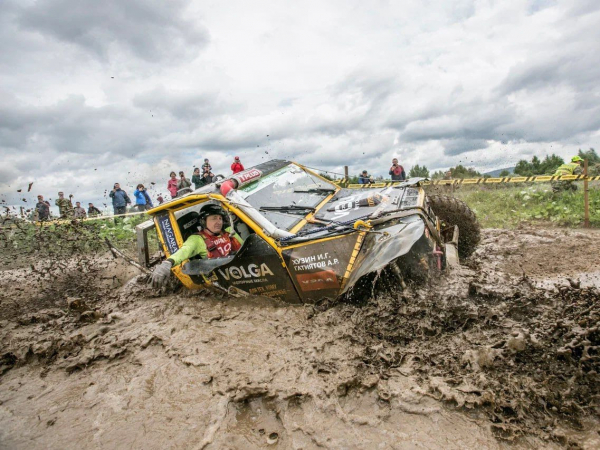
<point x="207" y="176"/>
<point x="65" y="207"/>
<point x="42" y="208"/>
<point x="79" y="212"/>
<point x="141" y="203"/>
<point x="172" y="184"/>
<point x="120" y="200"/>
<point x="183" y="185"/>
<point x="206" y="165"/>
<point x="93" y="211"/>
<point x="365" y="178"/>
<point x="237" y="165"/>
<point x="197" y="179"/>
<point x="149" y="204"/>
<point x="397" y="171"/>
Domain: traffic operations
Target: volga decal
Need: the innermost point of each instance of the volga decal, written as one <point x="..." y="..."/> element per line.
<point x="245" y="272"/>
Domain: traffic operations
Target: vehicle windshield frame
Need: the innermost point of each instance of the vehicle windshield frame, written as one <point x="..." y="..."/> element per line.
<point x="277" y="190"/>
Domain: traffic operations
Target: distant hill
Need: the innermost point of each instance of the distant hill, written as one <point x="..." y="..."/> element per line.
<point x="496" y="173"/>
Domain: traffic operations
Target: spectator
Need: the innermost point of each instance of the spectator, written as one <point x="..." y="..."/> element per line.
<point x="149" y="204"/>
<point x="197" y="179"/>
<point x="365" y="178"/>
<point x="172" y="185"/>
<point x="207" y="176"/>
<point x="160" y="200"/>
<point x="65" y="207"/>
<point x="237" y="165"/>
<point x="42" y="209"/>
<point x="397" y="171"/>
<point x="141" y="202"/>
<point x="79" y="212"/>
<point x="93" y="211"/>
<point x="206" y="165"/>
<point x="120" y="200"/>
<point x="183" y="185"/>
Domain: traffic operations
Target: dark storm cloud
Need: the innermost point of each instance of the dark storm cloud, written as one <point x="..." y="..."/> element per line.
<point x="370" y="88"/>
<point x="453" y="147"/>
<point x="231" y="141"/>
<point x="462" y="127"/>
<point x="571" y="59"/>
<point x="71" y="126"/>
<point x="576" y="70"/>
<point x="183" y="105"/>
<point x="152" y="30"/>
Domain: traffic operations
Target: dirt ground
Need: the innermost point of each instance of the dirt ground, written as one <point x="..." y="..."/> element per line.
<point x="500" y="353"/>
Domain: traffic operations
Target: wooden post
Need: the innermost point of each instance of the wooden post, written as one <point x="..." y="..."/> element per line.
<point x="346" y="174"/>
<point x="586" y="197"/>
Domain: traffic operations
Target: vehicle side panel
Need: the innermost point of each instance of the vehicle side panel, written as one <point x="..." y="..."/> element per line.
<point x="385" y="246"/>
<point x="257" y="269"/>
<point x="317" y="269"/>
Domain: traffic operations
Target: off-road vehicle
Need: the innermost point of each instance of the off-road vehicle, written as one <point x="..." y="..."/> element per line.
<point x="307" y="238"/>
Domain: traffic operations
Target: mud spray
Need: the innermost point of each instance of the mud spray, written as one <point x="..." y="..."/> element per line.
<point x="501" y="353"/>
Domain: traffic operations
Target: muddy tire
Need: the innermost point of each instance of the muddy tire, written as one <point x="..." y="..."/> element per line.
<point x="456" y="212"/>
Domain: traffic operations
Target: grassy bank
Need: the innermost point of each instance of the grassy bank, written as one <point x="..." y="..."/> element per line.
<point x="511" y="206"/>
<point x="24" y="242"/>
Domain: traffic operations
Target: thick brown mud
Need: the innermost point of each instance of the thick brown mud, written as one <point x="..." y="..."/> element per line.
<point x="500" y="353"/>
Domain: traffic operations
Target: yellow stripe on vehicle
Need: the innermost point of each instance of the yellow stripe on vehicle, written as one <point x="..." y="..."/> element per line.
<point x="357" y="245"/>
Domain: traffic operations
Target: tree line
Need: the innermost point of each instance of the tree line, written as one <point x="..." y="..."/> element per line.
<point x="524" y="168"/>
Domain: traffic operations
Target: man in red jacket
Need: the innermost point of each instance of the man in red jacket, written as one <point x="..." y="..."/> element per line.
<point x="237" y="165"/>
<point x="397" y="171"/>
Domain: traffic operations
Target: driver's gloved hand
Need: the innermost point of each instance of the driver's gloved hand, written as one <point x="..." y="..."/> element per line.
<point x="161" y="274"/>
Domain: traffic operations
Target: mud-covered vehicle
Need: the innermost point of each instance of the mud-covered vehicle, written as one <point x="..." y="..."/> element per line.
<point x="307" y="238"/>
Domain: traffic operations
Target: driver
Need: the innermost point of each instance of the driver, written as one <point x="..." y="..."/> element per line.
<point x="210" y="242"/>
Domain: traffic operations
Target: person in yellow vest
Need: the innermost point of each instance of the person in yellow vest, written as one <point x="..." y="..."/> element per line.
<point x="572" y="168"/>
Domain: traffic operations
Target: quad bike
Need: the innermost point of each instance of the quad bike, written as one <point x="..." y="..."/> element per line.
<point x="307" y="238"/>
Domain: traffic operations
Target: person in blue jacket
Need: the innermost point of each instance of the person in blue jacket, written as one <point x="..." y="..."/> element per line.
<point x="142" y="199"/>
<point x="365" y="178"/>
<point x="120" y="200"/>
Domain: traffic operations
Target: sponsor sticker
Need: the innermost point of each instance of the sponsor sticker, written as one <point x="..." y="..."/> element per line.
<point x="166" y="229"/>
<point x="324" y="279"/>
<point x="248" y="175"/>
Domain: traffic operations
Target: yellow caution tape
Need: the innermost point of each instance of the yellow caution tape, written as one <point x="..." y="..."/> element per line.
<point x="460" y="181"/>
<point x="87" y="219"/>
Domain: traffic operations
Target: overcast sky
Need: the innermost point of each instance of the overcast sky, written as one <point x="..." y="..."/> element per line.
<point x="96" y="92"/>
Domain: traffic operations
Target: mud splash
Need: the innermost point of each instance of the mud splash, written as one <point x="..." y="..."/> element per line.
<point x="485" y="358"/>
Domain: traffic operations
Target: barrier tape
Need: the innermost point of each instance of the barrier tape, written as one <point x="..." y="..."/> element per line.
<point x="461" y="181"/>
<point x="87" y="219"/>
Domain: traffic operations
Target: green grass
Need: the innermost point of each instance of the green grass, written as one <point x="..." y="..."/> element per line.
<point x="510" y="206"/>
<point x="22" y="242"/>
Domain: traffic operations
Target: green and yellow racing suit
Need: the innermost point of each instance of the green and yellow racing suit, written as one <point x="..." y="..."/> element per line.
<point x="196" y="245"/>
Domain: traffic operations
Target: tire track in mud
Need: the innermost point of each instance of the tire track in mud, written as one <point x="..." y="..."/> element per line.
<point x="482" y="355"/>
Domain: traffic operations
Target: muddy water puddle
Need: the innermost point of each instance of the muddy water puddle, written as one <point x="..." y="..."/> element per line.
<point x="484" y="358"/>
<point x="584" y="279"/>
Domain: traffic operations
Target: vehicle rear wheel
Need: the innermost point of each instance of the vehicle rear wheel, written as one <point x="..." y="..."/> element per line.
<point x="452" y="212"/>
